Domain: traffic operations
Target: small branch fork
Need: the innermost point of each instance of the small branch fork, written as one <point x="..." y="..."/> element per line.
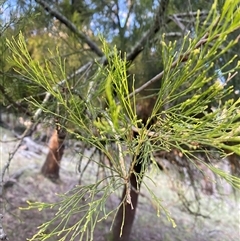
<point x="122" y="166"/>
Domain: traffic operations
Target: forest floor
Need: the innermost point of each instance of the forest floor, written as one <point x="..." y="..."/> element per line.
<point x="221" y="224"/>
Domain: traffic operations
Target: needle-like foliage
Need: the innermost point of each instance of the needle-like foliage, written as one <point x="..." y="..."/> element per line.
<point x="105" y="112"/>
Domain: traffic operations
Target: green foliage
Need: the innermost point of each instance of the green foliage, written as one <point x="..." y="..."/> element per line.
<point x="189" y="81"/>
<point x="108" y="114"/>
<point x="10" y="81"/>
<point x="93" y="211"/>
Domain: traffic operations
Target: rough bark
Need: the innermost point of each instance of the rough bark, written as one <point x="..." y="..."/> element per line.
<point x="51" y="165"/>
<point x="125" y="213"/>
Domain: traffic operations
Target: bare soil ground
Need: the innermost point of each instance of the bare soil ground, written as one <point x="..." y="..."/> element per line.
<point x="222" y="224"/>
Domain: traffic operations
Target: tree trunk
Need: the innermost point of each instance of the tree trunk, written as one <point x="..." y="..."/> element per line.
<point x="234" y="161"/>
<point x="1" y="121"/>
<point x="51" y="165"/>
<point x="126" y="214"/>
<point x="126" y="211"/>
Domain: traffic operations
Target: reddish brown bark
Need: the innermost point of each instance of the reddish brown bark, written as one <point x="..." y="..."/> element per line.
<point x="234" y="161"/>
<point x="51" y="165"/>
<point x="125" y="213"/>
